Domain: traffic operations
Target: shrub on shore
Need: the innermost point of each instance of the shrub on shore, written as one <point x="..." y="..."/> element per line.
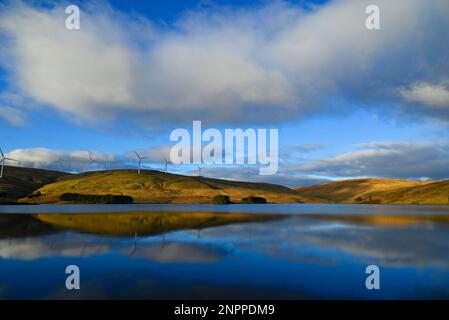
<point x="221" y="199"/>
<point x="254" y="200"/>
<point x="96" y="199"/>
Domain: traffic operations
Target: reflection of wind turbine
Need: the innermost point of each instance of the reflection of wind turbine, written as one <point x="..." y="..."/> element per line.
<point x="83" y="249"/>
<point x="163" y="241"/>
<point x="135" y="245"/>
<point x="161" y="227"/>
<point x="140" y="160"/>
<point x="2" y="161"/>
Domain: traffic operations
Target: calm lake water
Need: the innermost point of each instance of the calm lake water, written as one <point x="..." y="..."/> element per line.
<point x="303" y="251"/>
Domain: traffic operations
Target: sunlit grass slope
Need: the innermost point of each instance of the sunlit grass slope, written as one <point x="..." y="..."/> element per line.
<point x="380" y="191"/>
<point x="157" y="187"/>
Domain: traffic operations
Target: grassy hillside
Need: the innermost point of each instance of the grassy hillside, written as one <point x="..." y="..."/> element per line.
<point x="17" y="182"/>
<point x="157" y="187"/>
<point x="382" y="191"/>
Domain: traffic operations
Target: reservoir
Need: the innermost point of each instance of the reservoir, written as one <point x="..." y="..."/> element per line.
<point x="303" y="251"/>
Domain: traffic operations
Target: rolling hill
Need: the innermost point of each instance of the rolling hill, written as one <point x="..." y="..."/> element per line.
<point x="152" y="186"/>
<point x="157" y="187"/>
<point x="379" y="191"/>
<point x="17" y="182"/>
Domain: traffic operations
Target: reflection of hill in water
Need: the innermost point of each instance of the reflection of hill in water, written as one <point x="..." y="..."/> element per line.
<point x="22" y="225"/>
<point x="146" y="223"/>
<point x="382" y="220"/>
<point x="153" y="223"/>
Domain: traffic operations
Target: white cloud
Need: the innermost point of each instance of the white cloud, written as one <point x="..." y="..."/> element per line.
<point x="176" y="253"/>
<point x="66" y="161"/>
<point x="270" y="63"/>
<point x="387" y="160"/>
<point x="32" y="248"/>
<point x="434" y="96"/>
<point x="13" y="116"/>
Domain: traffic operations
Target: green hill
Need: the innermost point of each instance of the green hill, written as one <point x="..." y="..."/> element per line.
<point x="17" y="182"/>
<point x="379" y="191"/>
<point x="151" y="186"/>
<point x="157" y="187"/>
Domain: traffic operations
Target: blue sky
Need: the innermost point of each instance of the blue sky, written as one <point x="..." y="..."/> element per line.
<point x="354" y="102"/>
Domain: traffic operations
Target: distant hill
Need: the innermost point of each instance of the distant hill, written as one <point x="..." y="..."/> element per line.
<point x="27" y="185"/>
<point x="157" y="187"/>
<point x="18" y="182"/>
<point x="381" y="191"/>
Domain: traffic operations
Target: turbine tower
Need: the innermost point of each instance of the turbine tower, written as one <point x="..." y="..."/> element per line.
<point x="140" y="158"/>
<point x="2" y="162"/>
<point x="166" y="165"/>
<point x="59" y="163"/>
<point x="199" y="170"/>
<point x="91" y="160"/>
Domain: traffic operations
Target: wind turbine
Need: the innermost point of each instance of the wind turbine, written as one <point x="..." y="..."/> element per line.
<point x="2" y="161"/>
<point x="59" y="163"/>
<point x="91" y="158"/>
<point x="199" y="170"/>
<point x="140" y="160"/>
<point x="166" y="165"/>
